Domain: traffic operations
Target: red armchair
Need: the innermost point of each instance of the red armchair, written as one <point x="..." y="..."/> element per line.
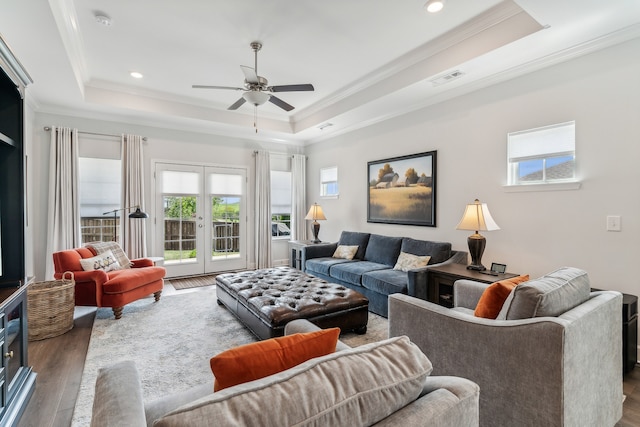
<point x="114" y="289"/>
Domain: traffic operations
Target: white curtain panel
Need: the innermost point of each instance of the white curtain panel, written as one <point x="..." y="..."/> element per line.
<point x="299" y="204"/>
<point x="263" y="210"/>
<point x="133" y="230"/>
<point x="63" y="225"/>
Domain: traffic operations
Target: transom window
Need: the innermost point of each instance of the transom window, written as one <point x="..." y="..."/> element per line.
<point x="329" y="182"/>
<point x="543" y="155"/>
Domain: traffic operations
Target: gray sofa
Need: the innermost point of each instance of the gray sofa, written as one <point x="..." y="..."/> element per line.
<point x="339" y="389"/>
<point x="371" y="271"/>
<point x="555" y="359"/>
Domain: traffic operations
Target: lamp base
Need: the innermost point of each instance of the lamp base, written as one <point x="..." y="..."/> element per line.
<point x="315" y="227"/>
<point x="476" y="243"/>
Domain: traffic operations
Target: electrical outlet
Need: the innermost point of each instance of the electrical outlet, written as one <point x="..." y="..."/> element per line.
<point x="613" y="223"/>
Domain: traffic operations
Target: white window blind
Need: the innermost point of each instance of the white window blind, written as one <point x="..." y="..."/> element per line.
<point x="177" y="182"/>
<point x="329" y="181"/>
<point x="555" y="140"/>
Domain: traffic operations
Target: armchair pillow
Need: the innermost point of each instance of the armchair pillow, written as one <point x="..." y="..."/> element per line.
<point x="550" y="295"/>
<point x="260" y="359"/>
<point x="494" y="296"/>
<point x="115" y="248"/>
<point x="105" y="261"/>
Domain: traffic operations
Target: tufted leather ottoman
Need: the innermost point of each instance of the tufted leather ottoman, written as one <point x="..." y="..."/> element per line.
<point x="266" y="300"/>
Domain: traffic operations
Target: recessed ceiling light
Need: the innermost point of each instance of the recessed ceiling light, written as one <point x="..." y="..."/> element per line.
<point x="103" y="19"/>
<point x="136" y="75"/>
<point x="434" y="6"/>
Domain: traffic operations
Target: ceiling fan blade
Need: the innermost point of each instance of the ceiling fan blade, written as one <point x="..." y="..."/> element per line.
<point x="215" y="87"/>
<point x="280" y="103"/>
<point x="237" y="104"/>
<point x="291" y="88"/>
<point x="250" y="74"/>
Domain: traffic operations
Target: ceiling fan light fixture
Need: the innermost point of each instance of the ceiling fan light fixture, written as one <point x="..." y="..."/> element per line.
<point x="434" y="6"/>
<point x="256" y="97"/>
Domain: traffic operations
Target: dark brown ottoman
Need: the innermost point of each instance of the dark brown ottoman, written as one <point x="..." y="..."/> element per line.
<point x="266" y="300"/>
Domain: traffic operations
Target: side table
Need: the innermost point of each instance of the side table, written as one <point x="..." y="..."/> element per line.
<point x="440" y="282"/>
<point x="295" y="252"/>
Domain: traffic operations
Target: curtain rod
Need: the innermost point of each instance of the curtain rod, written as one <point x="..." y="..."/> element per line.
<point x="144" y="138"/>
<point x="279" y="154"/>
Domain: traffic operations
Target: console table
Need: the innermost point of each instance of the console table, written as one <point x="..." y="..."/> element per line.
<point x="440" y="280"/>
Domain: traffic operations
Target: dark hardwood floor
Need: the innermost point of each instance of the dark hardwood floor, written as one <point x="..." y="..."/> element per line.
<point x="59" y="363"/>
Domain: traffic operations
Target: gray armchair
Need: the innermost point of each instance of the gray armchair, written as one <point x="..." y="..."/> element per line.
<point x="564" y="370"/>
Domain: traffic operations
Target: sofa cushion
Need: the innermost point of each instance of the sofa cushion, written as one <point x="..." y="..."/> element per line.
<point x="550" y="295"/>
<point x="354" y="238"/>
<point x="386" y="282"/>
<point x="260" y="359"/>
<point x="438" y="251"/>
<point x="358" y="386"/>
<point x="494" y="296"/>
<point x="351" y="272"/>
<point x="407" y="261"/>
<point x="345" y="252"/>
<point x="383" y="249"/>
<point x="322" y="265"/>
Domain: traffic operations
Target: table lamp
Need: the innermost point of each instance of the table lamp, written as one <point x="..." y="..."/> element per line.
<point x="477" y="218"/>
<point x="315" y="214"/>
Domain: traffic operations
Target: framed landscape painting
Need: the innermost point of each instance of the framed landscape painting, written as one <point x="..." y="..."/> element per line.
<point x="402" y="190"/>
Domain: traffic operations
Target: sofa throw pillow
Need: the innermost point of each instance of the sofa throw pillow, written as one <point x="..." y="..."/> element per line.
<point x="407" y="261"/>
<point x="494" y="296"/>
<point x="104" y="261"/>
<point x="345" y="252"/>
<point x="260" y="359"/>
<point x="357" y="386"/>
<point x="549" y="295"/>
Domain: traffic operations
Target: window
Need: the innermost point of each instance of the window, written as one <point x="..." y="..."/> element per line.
<point x="329" y="182"/>
<point x="280" y="203"/>
<point x="543" y="155"/>
<point x="99" y="187"/>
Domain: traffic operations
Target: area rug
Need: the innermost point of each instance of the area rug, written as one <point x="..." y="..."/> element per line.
<point x="171" y="342"/>
<point x="192" y="282"/>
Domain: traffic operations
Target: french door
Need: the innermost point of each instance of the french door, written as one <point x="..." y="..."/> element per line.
<point x="201" y="218"/>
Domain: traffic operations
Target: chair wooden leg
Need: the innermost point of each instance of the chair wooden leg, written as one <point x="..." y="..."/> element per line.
<point x="156" y="295"/>
<point x="117" y="312"/>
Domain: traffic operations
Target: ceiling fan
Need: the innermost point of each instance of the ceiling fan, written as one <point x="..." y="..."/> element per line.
<point x="256" y="88"/>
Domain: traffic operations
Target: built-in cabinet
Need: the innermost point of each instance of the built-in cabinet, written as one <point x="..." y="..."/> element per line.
<point x="17" y="380"/>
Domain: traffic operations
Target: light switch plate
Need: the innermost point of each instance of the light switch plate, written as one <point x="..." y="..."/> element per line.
<point x="613" y="223"/>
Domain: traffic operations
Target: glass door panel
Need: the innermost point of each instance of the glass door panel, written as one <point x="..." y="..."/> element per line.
<point x="199" y="238"/>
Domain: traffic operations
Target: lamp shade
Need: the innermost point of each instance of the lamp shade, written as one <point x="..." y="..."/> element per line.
<point x="315" y="213"/>
<point x="477" y="218"/>
<point x="138" y="214"/>
<point x="256" y="97"/>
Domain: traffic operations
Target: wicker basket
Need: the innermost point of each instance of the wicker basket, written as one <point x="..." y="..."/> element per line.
<point x="50" y="307"/>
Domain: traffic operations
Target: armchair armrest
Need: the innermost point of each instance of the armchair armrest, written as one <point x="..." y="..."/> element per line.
<point x="141" y="262"/>
<point x="467" y="293"/>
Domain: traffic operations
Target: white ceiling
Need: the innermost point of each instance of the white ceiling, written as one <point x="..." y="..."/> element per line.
<point x="368" y="60"/>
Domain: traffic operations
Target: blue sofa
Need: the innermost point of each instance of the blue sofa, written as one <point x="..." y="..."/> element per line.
<point x="371" y="272"/>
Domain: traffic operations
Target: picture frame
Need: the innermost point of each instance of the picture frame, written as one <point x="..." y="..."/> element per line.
<point x="402" y="190"/>
<point x="498" y="268"/>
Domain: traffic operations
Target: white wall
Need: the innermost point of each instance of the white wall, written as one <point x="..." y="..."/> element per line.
<point x="162" y="144"/>
<point x="540" y="231"/>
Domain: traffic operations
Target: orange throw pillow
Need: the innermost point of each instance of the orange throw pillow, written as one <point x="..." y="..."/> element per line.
<point x="495" y="295"/>
<point x="260" y="359"/>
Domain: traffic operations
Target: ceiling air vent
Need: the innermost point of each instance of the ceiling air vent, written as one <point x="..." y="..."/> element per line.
<point x="445" y="78"/>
